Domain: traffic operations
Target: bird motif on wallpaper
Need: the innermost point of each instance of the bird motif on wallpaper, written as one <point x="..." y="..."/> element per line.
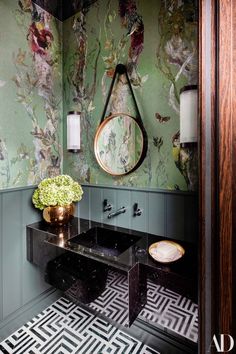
<point x="39" y="36"/>
<point x="135" y="23"/>
<point x="54" y="169"/>
<point x="176" y="148"/>
<point x="185" y="159"/>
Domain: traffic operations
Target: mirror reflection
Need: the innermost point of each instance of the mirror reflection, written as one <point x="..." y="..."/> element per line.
<point x="119" y="144"/>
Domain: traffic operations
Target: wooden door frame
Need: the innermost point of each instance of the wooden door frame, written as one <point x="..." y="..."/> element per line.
<point x="217" y="169"/>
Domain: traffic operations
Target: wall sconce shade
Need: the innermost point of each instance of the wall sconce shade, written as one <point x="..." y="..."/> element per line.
<point x="188" y="114"/>
<point x="73" y="131"/>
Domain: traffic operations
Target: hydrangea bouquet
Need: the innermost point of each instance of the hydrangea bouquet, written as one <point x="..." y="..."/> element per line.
<point x="57" y="191"/>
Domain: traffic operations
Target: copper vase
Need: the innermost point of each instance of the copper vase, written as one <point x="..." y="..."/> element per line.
<point x="59" y="215"/>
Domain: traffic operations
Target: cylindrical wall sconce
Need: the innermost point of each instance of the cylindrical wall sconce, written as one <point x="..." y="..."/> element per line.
<point x="188" y="114"/>
<point x="73" y="131"/>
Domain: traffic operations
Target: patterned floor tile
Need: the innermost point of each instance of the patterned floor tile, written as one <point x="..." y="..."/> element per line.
<point x="164" y="307"/>
<point x="67" y="328"/>
<point x="64" y="328"/>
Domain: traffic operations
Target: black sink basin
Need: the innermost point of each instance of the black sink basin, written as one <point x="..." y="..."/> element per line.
<point x="104" y="241"/>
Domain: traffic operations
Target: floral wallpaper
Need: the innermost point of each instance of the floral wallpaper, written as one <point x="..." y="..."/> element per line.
<point x="157" y="41"/>
<point x="48" y="68"/>
<point x="30" y="94"/>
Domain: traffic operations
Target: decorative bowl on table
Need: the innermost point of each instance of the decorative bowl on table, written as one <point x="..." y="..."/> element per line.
<point x="59" y="215"/>
<point x="55" y="196"/>
<point x="166" y="251"/>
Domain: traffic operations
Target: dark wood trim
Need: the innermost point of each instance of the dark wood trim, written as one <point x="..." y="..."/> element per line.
<point x="234" y="176"/>
<point x="217" y="190"/>
<point x="202" y="164"/>
<point x="227" y="156"/>
<point x="214" y="158"/>
<point x="207" y="172"/>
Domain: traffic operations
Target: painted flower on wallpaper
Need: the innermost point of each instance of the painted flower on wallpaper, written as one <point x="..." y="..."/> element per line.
<point x="184" y="56"/>
<point x="5" y="174"/>
<point x="133" y="22"/>
<point x="118" y="37"/>
<point x="125" y="48"/>
<point x="116" y="49"/>
<point x="83" y="89"/>
<point x="40" y="38"/>
<point x="185" y="59"/>
<point x="177" y="60"/>
<point x="118" y="52"/>
<point x="38" y="77"/>
<point x="177" y="50"/>
<point x="79" y="76"/>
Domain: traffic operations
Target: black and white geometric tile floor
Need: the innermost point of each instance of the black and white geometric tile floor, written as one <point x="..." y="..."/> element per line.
<point x="65" y="328"/>
<point x="164" y="308"/>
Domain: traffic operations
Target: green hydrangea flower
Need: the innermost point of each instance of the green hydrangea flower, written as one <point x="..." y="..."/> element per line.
<point x="57" y="191"/>
<point x="36" y="201"/>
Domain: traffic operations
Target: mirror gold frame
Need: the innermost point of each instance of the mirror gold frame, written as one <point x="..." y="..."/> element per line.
<point x="143" y="147"/>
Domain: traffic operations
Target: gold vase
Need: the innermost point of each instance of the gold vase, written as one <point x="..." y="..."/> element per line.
<point x="59" y="215"/>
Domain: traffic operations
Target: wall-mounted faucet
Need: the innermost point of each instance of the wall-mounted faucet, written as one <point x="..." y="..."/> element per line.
<point x="137" y="210"/>
<point x="117" y="212"/>
<point x="106" y="206"/>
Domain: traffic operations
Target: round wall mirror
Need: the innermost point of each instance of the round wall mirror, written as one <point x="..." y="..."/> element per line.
<point x="120" y="144"/>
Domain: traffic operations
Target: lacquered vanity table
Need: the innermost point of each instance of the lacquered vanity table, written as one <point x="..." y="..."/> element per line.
<point x="104" y="245"/>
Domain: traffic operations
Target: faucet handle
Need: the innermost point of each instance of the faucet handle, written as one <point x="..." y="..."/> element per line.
<point x="106" y="206"/>
<point x="137" y="210"/>
<point x="117" y="212"/>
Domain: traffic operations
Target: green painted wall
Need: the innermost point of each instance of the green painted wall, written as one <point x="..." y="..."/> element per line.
<point x="30" y="94"/>
<point x="157" y="40"/>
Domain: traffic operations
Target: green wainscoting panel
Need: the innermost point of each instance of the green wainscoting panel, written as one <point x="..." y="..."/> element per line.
<point x="110" y="195"/>
<point x="139" y="223"/>
<point x="123" y="198"/>
<point x="95" y="204"/>
<point x="32" y="279"/>
<point x="84" y="204"/>
<point x="20" y="281"/>
<point x="157" y="213"/>
<point x="172" y="214"/>
<point x="11" y="216"/>
<point x="175" y="216"/>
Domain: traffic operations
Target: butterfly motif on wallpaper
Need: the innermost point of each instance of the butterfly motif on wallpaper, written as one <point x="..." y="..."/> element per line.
<point x="161" y="119"/>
